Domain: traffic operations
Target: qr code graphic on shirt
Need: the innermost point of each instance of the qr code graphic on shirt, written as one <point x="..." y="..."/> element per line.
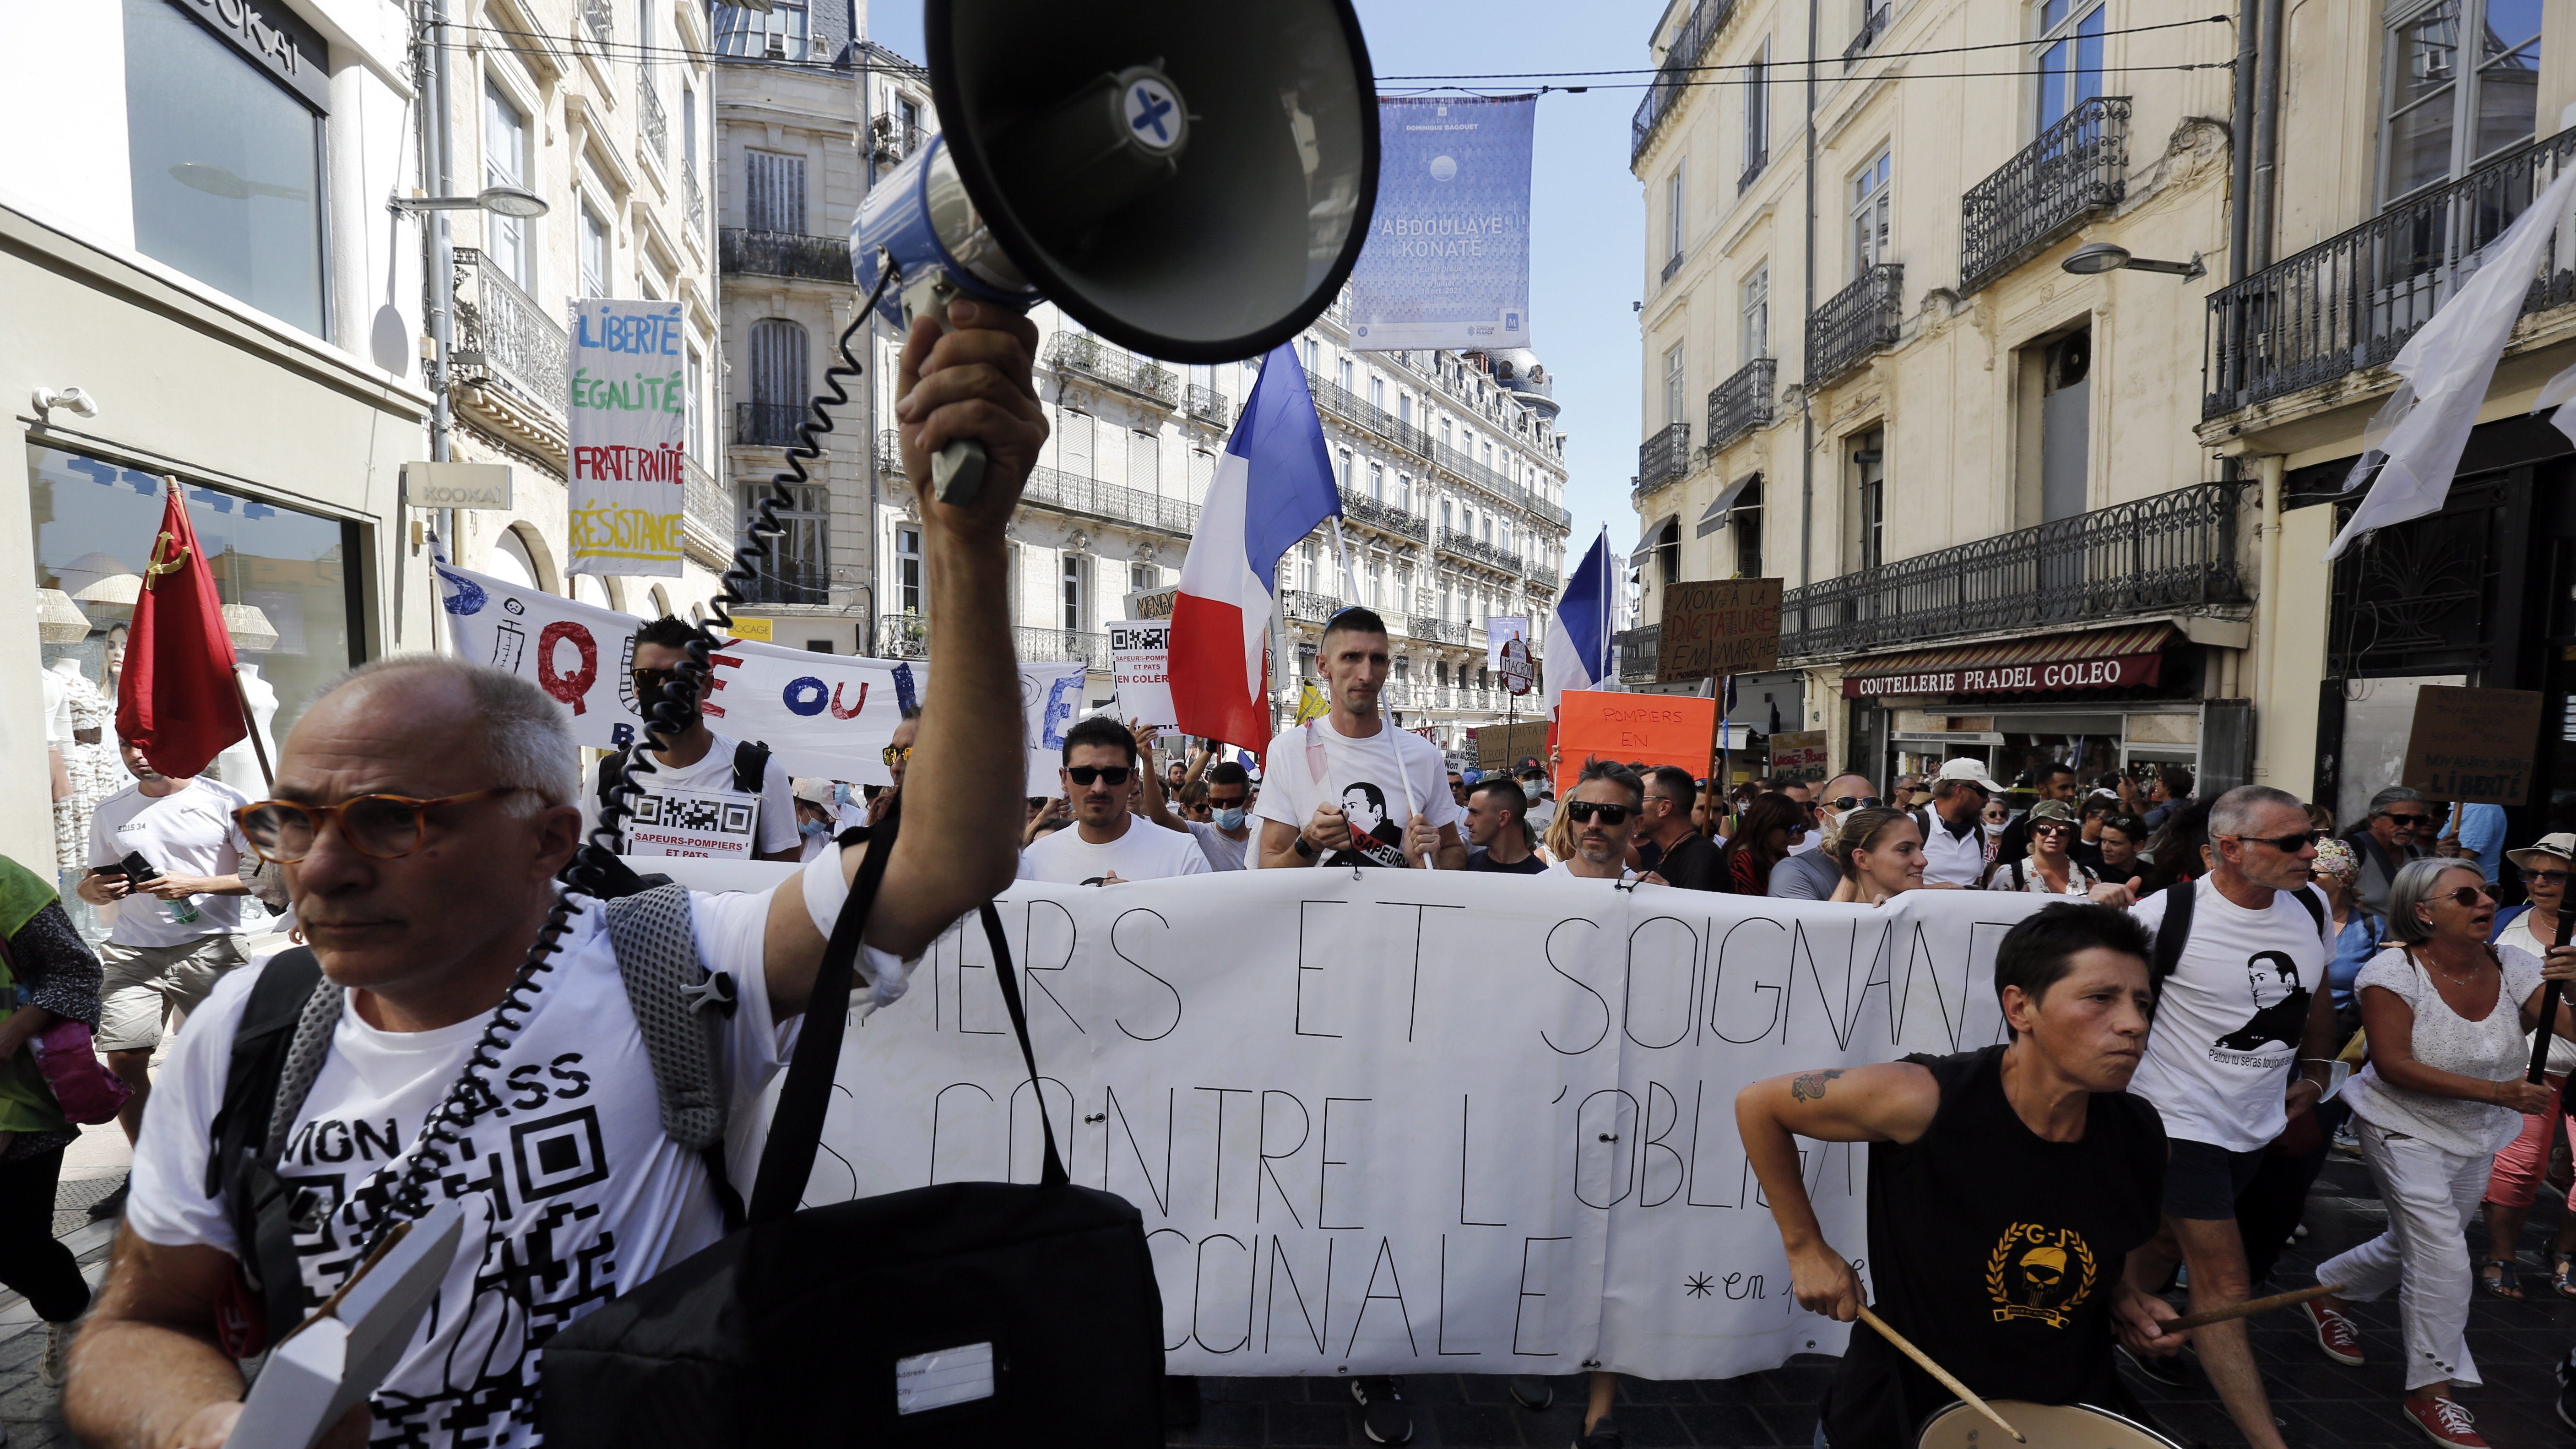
<point x="713" y="815"/>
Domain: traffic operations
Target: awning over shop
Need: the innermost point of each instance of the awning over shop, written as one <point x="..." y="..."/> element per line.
<point x="2047" y="664"/>
<point x="1665" y="532"/>
<point x="1713" y="517"/>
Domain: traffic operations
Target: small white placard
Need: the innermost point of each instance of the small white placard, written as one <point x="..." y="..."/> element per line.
<point x="943" y="1377"/>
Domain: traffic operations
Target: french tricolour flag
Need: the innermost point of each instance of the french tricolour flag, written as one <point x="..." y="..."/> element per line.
<point x="1273" y="484"/>
<point x="1578" y="633"/>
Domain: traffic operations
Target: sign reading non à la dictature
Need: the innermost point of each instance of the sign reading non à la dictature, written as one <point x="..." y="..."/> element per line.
<point x="2474" y="746"/>
<point x="1718" y="626"/>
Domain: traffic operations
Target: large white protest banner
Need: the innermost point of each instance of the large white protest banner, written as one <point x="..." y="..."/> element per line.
<point x="629" y="426"/>
<point x="1404" y="1122"/>
<point x="581" y="654"/>
<point x="831" y="716"/>
<point x="1140" y="657"/>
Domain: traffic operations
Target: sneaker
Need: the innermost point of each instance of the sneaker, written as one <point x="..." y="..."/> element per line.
<point x="2335" y="1334"/>
<point x="1532" y="1392"/>
<point x="2444" y="1421"/>
<point x="1383" y="1416"/>
<point x="110" y="1206"/>
<point x="58" y="1355"/>
<point x="1604" y="1435"/>
<point x="2168" y="1371"/>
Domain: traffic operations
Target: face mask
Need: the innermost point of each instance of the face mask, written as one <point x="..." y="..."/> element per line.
<point x="1229" y="819"/>
<point x="811" y="828"/>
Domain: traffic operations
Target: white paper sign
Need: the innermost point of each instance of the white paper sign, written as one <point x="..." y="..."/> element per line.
<point x="1050" y="701"/>
<point x="629" y="426"/>
<point x="1140" y="652"/>
<point x="1436" y="1123"/>
<point x="581" y="654"/>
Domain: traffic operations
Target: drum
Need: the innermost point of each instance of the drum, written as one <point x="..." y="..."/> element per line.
<point x="2047" y="1426"/>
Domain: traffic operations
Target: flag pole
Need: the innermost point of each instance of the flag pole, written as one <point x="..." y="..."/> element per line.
<point x="250" y="723"/>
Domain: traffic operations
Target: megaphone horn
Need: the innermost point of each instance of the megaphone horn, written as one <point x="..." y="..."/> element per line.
<point x="1193" y="184"/>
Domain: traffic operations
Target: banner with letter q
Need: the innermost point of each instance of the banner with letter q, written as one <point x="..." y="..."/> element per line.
<point x="629" y="423"/>
<point x="1447" y="260"/>
<point x="581" y="654"/>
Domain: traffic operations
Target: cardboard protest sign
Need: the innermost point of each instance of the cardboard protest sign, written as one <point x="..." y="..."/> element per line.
<point x="1657" y="729"/>
<point x="581" y="654"/>
<point x="1501" y="747"/>
<point x="1718" y="626"/>
<point x="629" y="425"/>
<point x="1140" y="652"/>
<point x="1799" y="753"/>
<point x="2474" y="746"/>
<point x="1433" y="1123"/>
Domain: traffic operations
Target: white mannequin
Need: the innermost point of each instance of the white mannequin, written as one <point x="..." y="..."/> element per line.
<point x="238" y="765"/>
<point x="61" y="677"/>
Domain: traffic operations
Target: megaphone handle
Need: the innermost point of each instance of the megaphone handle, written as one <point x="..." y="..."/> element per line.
<point x="957" y="472"/>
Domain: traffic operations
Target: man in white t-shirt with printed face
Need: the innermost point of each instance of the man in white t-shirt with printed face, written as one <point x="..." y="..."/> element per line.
<point x="2243" y="1030"/>
<point x="1351" y="788"/>
<point x="179" y="929"/>
<point x="1108" y="843"/>
<point x="696" y="799"/>
<point x="420" y="911"/>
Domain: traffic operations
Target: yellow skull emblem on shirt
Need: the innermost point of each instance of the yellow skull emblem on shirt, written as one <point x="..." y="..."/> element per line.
<point x="2039" y="1272"/>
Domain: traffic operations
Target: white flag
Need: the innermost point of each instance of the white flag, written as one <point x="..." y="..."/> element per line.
<point x="581" y="654"/>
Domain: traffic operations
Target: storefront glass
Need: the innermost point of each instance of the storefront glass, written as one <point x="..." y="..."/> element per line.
<point x="94" y="527"/>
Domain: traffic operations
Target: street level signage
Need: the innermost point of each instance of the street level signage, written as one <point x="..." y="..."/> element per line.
<point x="456" y="485"/>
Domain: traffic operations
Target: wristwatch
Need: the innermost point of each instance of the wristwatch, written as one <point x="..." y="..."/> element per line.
<point x="1305" y="847"/>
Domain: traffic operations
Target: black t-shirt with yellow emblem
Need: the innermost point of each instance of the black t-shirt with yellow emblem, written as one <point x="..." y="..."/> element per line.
<point x="1997" y="1252"/>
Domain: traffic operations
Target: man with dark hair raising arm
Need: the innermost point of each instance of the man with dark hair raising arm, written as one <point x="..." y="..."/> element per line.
<point x="2006" y="1189"/>
<point x="424" y="806"/>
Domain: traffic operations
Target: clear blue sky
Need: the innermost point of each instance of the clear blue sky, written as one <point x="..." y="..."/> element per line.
<point x="1588" y="213"/>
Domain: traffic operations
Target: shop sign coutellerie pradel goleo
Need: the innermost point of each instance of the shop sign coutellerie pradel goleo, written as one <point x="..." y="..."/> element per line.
<point x="2111" y="659"/>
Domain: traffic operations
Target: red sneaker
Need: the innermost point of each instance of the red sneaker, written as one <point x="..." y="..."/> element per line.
<point x="2444" y="1421"/>
<point x="2336" y="1335"/>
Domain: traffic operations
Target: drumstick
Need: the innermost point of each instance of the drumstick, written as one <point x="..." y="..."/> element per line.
<point x="2549" y="996"/>
<point x="2250" y="1307"/>
<point x="1966" y="1395"/>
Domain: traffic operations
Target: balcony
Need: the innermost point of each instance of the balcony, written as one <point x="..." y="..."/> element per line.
<point x="2076" y="168"/>
<point x="1663" y="457"/>
<point x="1672" y="264"/>
<point x="1637" y="651"/>
<point x="1438" y="630"/>
<point x="505" y="340"/>
<point x="1873" y="24"/>
<point x="890" y="452"/>
<point x="2350" y="302"/>
<point x="907" y="636"/>
<point x="2175" y="551"/>
<point x="903" y="636"/>
<point x="789" y="581"/>
<point x="1746" y="401"/>
<point x="707" y="516"/>
<point x="742" y="251"/>
<point x="1310" y="608"/>
<point x="1754" y="165"/>
<point x="1207" y="405"/>
<point x="1673" y="78"/>
<point x="1110" y="502"/>
<point x="1459" y="542"/>
<point x="1088" y="356"/>
<point x="1338" y="400"/>
<point x="600" y="19"/>
<point x="1540" y="576"/>
<point x="1855" y="323"/>
<point x="653" y="130"/>
<point x="768" y="425"/>
<point x="697" y="202"/>
<point x="1388" y="516"/>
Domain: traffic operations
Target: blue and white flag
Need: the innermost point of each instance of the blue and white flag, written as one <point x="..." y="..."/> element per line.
<point x="1578" y="633"/>
<point x="1447" y="260"/>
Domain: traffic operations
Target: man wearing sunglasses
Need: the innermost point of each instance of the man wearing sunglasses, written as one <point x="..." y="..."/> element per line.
<point x="706" y="795"/>
<point x="424" y="807"/>
<point x="1108" y="843"/>
<point x="2401" y="827"/>
<point x="1812" y="875"/>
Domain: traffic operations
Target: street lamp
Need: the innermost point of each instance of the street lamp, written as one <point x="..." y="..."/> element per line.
<point x="512" y="201"/>
<point x="2100" y="257"/>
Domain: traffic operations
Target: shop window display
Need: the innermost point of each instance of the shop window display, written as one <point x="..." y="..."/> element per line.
<point x="282" y="574"/>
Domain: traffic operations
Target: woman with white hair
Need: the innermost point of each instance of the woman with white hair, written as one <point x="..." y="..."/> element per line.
<point x="2445" y="1013"/>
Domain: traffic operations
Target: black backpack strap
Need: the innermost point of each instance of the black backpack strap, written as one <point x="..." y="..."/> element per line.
<point x="277" y="1048"/>
<point x="2174" y="932"/>
<point x="2316" y="912"/>
<point x="750" y="765"/>
<point x="260" y="1042"/>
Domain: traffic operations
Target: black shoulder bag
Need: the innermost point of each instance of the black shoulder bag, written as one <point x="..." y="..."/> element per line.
<point x="963" y="1314"/>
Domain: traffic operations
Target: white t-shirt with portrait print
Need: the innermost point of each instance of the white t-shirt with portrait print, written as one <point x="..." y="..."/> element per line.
<point x="573" y="1192"/>
<point x="1380" y="782"/>
<point x="2230" y="1018"/>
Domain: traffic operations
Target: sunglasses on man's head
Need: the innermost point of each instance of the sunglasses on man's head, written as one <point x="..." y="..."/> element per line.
<point x="1083" y="775"/>
<point x="1584" y="812"/>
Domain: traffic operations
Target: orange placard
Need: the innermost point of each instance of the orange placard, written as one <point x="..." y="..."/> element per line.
<point x="1657" y="729"/>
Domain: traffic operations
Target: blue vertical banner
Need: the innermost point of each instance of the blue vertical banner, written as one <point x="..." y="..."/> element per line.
<point x="1447" y="261"/>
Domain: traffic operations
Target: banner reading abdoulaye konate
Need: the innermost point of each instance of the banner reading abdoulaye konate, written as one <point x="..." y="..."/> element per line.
<point x="629" y="424"/>
<point x="1419" y="1121"/>
<point x="1447" y="260"/>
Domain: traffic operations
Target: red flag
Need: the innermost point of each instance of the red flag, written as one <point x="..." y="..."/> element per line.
<point x="176" y="701"/>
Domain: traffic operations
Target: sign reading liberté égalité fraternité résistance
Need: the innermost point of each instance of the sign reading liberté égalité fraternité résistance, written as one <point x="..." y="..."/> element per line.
<point x="629" y="426"/>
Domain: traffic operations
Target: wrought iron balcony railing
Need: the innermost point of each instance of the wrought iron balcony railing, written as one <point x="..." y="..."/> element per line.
<point x="1110" y="502"/>
<point x="1364" y="509"/>
<point x="1754" y="166"/>
<point x="1207" y="405"/>
<point x="2076" y="168"/>
<point x="789" y="581"/>
<point x="1466" y="545"/>
<point x="1338" y="400"/>
<point x="2351" y="301"/>
<point x="1673" y="77"/>
<point x="1873" y="24"/>
<point x="2173" y="551"/>
<point x="696" y="200"/>
<point x="1743" y="402"/>
<point x="1672" y="264"/>
<point x="903" y="636"/>
<point x="1082" y="353"/>
<point x="707" y="508"/>
<point x="1541" y="576"/>
<point x="1437" y="630"/>
<point x="767" y="425"/>
<point x="907" y="636"/>
<point x="505" y="338"/>
<point x="783" y="254"/>
<point x="1637" y="650"/>
<point x="600" y="18"/>
<point x="653" y="129"/>
<point x="1861" y="319"/>
<point x="1663" y="457"/>
<point x="1309" y="607"/>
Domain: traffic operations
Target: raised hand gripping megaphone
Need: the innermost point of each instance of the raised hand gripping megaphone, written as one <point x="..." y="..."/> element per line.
<point x="1192" y="182"/>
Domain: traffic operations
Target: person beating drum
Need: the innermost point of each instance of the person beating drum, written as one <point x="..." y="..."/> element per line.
<point x="2006" y="1189"/>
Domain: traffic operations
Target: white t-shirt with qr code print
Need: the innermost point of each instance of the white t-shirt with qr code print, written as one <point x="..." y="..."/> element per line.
<point x="573" y="1194"/>
<point x="695" y="810"/>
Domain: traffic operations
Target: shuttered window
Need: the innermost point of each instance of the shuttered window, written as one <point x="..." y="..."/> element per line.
<point x="774" y="199"/>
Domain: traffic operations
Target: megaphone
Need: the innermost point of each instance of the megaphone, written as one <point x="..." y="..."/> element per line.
<point x="1191" y="182"/>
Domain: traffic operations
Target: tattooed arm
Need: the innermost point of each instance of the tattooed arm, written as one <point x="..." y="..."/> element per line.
<point x="1891" y="1103"/>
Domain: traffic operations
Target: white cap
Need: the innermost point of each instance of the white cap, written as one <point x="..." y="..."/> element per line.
<point x="1970" y="771"/>
<point x="814" y="792"/>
